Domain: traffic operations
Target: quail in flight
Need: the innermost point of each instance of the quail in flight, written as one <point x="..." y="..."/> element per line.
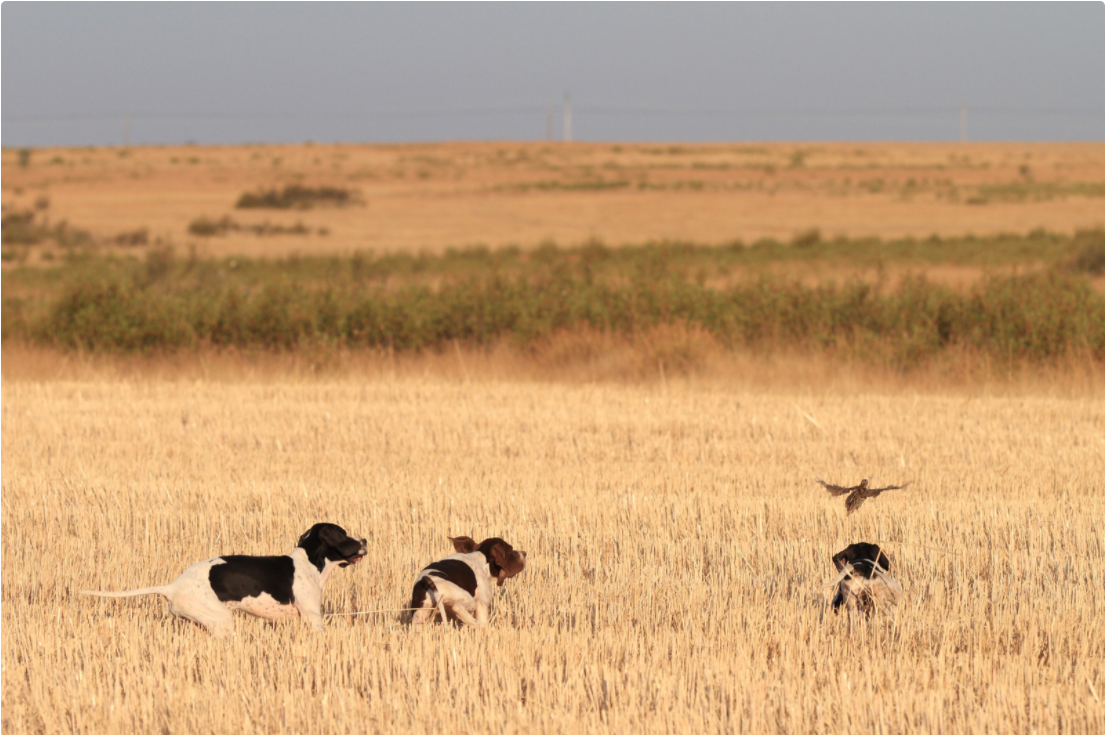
<point x="857" y="494"/>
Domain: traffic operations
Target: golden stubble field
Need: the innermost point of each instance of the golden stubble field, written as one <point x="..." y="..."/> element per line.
<point x="429" y="197"/>
<point x="678" y="556"/>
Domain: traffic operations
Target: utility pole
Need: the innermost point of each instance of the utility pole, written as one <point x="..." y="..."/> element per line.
<point x="549" y="122"/>
<point x="568" y="119"/>
<point x="963" y="124"/>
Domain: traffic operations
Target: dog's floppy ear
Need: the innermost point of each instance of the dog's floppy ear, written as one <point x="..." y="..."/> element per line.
<point x="882" y="559"/>
<point x="313" y="545"/>
<point x="463" y="544"/>
<point x="336" y="538"/>
<point x="509" y="561"/>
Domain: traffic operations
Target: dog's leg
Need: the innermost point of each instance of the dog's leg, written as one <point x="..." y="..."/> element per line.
<point x="210" y="613"/>
<point x="311" y="613"/>
<point x="482" y="613"/>
<point x="223" y="628"/>
<point x="422" y="615"/>
<point x="466" y="617"/>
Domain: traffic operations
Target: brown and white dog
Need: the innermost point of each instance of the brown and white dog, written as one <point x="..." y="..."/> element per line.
<point x="272" y="587"/>
<point x="864" y="583"/>
<point x="459" y="587"/>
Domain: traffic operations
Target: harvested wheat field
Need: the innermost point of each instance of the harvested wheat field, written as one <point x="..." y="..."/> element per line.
<point x="434" y="196"/>
<point x="679" y="551"/>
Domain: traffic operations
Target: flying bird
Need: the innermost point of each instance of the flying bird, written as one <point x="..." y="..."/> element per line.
<point x="857" y="494"/>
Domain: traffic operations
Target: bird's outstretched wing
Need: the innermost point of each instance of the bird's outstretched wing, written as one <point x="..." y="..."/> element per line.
<point x="835" y="490"/>
<point x="878" y="490"/>
<point x="862" y="493"/>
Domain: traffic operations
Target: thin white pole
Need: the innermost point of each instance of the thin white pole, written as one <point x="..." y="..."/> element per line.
<point x="568" y="119"/>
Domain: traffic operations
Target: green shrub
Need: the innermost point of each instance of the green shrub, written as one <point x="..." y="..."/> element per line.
<point x="477" y="296"/>
<point x="20" y="228"/>
<point x="113" y="315"/>
<point x="1036" y="318"/>
<point x="207" y="227"/>
<point x="133" y="238"/>
<point x="1091" y="254"/>
<point x="23" y="227"/>
<point x="296" y="196"/>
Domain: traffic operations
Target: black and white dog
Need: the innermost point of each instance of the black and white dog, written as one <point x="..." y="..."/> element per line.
<point x="459" y="587"/>
<point x="864" y="582"/>
<point x="272" y="587"/>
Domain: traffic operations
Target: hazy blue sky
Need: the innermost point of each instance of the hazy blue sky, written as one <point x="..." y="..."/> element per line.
<point x="267" y="72"/>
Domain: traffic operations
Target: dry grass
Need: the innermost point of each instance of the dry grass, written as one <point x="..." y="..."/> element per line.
<point x="434" y="196"/>
<point x="678" y="550"/>
<point x="650" y="358"/>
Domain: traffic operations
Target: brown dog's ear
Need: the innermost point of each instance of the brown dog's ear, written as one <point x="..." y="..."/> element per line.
<point x="463" y="544"/>
<point x="509" y="561"/>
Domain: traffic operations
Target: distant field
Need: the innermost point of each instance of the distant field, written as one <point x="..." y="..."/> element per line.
<point x="875" y="253"/>
<point x="414" y="198"/>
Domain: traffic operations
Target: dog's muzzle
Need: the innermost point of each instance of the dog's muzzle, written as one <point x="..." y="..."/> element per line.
<point x="354" y="559"/>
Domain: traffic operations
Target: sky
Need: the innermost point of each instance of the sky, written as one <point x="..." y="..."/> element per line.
<point x="227" y="73"/>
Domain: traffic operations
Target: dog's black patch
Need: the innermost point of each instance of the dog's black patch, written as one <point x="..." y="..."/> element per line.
<point x="249" y="576"/>
<point x="457" y="572"/>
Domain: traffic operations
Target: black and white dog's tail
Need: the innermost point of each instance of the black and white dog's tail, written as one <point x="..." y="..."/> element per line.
<point x="163" y="591"/>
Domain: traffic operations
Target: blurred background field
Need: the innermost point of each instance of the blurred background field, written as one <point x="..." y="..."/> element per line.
<point x="430" y="197"/>
<point x="893" y="255"/>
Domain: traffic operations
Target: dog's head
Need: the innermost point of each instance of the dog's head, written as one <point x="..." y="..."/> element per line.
<point x="863" y="557"/>
<point x="325" y="542"/>
<point x="503" y="561"/>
